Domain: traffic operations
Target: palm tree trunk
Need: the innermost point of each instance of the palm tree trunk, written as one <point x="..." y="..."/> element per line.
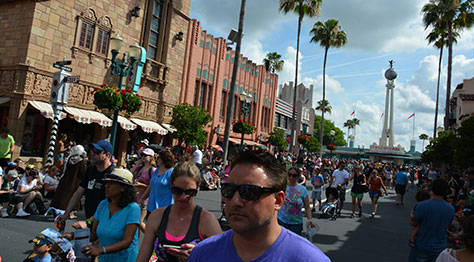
<point x="448" y="83"/>
<point x="230" y="102"/>
<point x="437" y="92"/>
<point x="324" y="99"/>
<point x="293" y="126"/>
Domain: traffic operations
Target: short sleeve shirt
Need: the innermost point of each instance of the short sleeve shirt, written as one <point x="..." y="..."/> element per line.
<point x="340" y="176"/>
<point x="434" y="216"/>
<point x="94" y="188"/>
<point x="317" y="180"/>
<point x="53" y="182"/>
<point x="160" y="193"/>
<point x="401" y="178"/>
<point x="291" y="212"/>
<point x="110" y="230"/>
<point x="287" y="247"/>
<point x="5" y="146"/>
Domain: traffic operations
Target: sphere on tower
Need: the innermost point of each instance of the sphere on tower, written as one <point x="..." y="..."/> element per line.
<point x="391" y="74"/>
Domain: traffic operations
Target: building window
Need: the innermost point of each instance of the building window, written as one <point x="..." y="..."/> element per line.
<point x="214" y="50"/>
<point x="201" y="43"/>
<point x="208" y="99"/>
<point x="223" y="103"/>
<point x="208" y="45"/>
<point x="204" y="74"/>
<point x="103" y="38"/>
<point x="87" y="34"/>
<point x="201" y="95"/>
<point x="196" y="93"/>
<point x="225" y="83"/>
<point x="227" y="57"/>
<point x="211" y="77"/>
<point x="198" y="72"/>
<point x="92" y="34"/>
<point x="154" y="26"/>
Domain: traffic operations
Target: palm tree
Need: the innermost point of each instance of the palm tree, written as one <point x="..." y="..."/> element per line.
<point x="423" y="137"/>
<point x="356" y="123"/>
<point x="327" y="35"/>
<point x="439" y="37"/>
<point x="273" y="62"/>
<point x="456" y="15"/>
<point x="326" y="107"/>
<point x="349" y="124"/>
<point x="308" y="8"/>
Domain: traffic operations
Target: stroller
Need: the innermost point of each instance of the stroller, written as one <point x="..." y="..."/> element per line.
<point x="330" y="205"/>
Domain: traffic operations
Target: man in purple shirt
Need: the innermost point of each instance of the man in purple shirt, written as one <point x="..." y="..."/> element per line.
<point x="254" y="193"/>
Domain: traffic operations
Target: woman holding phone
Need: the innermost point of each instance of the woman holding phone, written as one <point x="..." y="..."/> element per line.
<point x="173" y="231"/>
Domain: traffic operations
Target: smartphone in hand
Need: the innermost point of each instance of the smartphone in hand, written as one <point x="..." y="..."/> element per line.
<point x="172" y="246"/>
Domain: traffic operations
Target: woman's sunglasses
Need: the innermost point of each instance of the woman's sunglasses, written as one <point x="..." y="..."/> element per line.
<point x="293" y="175"/>
<point x="246" y="192"/>
<point x="189" y="192"/>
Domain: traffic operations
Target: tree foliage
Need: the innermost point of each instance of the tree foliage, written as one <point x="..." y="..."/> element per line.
<point x="277" y="138"/>
<point x="440" y="149"/>
<point x="464" y="155"/>
<point x="338" y="137"/>
<point x="273" y="62"/>
<point x="312" y="145"/>
<point x="190" y="122"/>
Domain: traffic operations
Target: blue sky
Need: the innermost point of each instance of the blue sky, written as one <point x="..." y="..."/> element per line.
<point x="377" y="31"/>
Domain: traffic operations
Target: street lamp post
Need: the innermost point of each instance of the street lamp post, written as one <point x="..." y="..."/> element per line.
<point x="245" y="99"/>
<point x="333" y="133"/>
<point x="124" y="68"/>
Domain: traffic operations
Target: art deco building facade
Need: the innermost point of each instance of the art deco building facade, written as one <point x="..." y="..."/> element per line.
<point x="206" y="83"/>
<point x="35" y="34"/>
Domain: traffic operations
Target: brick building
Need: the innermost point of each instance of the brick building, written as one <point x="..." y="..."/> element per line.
<point x="35" y="34"/>
<point x="206" y="83"/>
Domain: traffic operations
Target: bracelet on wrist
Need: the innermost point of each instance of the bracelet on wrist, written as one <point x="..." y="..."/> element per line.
<point x="104" y="250"/>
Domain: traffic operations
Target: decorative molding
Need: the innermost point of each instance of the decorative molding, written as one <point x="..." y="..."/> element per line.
<point x="105" y="22"/>
<point x="7" y="80"/>
<point x="89" y="14"/>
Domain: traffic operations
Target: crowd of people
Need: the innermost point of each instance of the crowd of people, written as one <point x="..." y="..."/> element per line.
<point x="154" y="195"/>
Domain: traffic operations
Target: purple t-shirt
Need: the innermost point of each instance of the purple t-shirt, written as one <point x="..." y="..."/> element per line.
<point x="287" y="247"/>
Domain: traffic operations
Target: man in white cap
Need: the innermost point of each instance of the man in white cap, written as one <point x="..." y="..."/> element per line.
<point x="92" y="185"/>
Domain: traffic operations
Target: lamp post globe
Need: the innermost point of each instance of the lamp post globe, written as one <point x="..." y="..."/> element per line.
<point x="116" y="42"/>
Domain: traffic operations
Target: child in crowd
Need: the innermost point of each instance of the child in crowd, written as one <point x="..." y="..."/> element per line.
<point x="41" y="248"/>
<point x="330" y="205"/>
<point x="420" y="196"/>
<point x="318" y="182"/>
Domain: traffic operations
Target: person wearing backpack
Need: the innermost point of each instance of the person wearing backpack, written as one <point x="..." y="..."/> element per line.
<point x="142" y="171"/>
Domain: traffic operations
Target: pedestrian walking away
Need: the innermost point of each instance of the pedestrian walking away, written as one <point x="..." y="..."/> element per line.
<point x="401" y="184"/>
<point x="254" y="194"/>
<point x="433" y="216"/>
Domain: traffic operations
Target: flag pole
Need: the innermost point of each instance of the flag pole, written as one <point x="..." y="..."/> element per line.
<point x="413" y="134"/>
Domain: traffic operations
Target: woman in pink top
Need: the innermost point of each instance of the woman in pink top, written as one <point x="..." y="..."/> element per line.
<point x="144" y="167"/>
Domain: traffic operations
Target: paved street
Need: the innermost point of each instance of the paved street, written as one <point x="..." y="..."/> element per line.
<point x="383" y="238"/>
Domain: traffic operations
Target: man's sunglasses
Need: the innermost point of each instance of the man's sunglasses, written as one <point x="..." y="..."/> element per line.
<point x="293" y="175"/>
<point x="95" y="151"/>
<point x="246" y="192"/>
<point x="189" y="192"/>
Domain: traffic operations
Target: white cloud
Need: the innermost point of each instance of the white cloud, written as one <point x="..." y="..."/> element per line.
<point x="288" y="72"/>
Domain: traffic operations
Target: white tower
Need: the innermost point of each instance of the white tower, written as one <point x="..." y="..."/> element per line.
<point x="387" y="138"/>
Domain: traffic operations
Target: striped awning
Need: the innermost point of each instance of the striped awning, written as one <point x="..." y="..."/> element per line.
<point x="169" y="127"/>
<point x="4" y="100"/>
<point x="284" y="108"/>
<point x="149" y="126"/>
<point x="88" y="116"/>
<point x="125" y="123"/>
<point x="46" y="109"/>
